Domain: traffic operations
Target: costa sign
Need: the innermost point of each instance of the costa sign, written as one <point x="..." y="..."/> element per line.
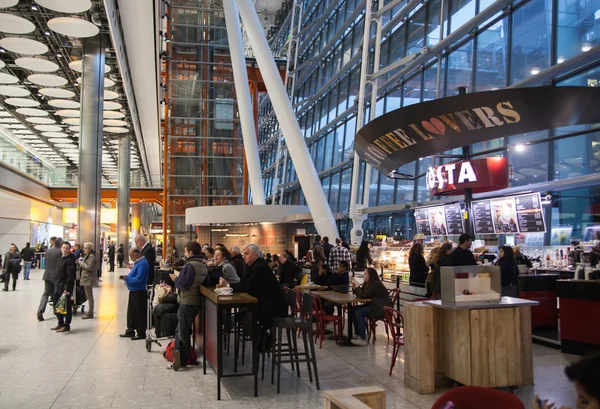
<point x="407" y="134"/>
<point x="481" y="175"/>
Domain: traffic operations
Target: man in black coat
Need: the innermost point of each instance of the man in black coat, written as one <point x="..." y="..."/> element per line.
<point x="65" y="285"/>
<point x="149" y="254"/>
<point x="111" y="257"/>
<point x="12" y="267"/>
<point x="260" y="282"/>
<point x="238" y="262"/>
<point x="326" y="247"/>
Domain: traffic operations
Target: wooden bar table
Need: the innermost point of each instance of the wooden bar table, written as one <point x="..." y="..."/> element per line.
<point x="311" y="287"/>
<point x="340" y="299"/>
<point x="213" y="308"/>
<point x="480" y="344"/>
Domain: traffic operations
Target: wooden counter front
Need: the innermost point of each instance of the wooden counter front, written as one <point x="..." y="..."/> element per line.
<point x="482" y="345"/>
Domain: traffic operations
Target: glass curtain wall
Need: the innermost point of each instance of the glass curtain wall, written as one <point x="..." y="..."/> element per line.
<point x="511" y="46"/>
<point x="205" y="152"/>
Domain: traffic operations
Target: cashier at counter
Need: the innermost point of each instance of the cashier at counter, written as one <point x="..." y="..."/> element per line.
<point x="462" y="255"/>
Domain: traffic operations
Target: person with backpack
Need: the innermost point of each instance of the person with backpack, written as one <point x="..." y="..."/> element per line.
<point x="11" y="266"/>
<point x="188" y="283"/>
<point x="316" y="258"/>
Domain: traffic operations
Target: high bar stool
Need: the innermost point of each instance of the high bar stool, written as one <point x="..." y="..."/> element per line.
<point x="291" y="325"/>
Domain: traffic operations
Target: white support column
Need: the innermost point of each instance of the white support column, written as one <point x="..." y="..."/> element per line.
<point x="242" y="91"/>
<point x="356" y="234"/>
<point x="307" y="174"/>
<point x="373" y="110"/>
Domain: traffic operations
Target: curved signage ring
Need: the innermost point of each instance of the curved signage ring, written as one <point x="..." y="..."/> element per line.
<point x="407" y="134"/>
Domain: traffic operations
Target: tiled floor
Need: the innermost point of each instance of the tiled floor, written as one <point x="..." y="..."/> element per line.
<point x="91" y="367"/>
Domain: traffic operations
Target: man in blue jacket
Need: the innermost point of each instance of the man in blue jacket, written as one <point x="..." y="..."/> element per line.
<point x="136" y="281"/>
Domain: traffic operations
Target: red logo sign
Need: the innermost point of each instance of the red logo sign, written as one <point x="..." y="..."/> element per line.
<point x="481" y="175"/>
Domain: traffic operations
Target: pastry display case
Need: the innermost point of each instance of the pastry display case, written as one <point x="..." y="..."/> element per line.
<point x="392" y="262"/>
<point x="470" y="284"/>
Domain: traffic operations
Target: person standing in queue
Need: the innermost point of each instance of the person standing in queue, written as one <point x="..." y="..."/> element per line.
<point x="462" y="255"/>
<point x="188" y="283"/>
<point x="87" y="272"/>
<point x="27" y="254"/>
<point x="260" y="282"/>
<point x="509" y="272"/>
<point x="120" y="255"/>
<point x="326" y="247"/>
<point x="11" y="266"/>
<point x="66" y="273"/>
<point x="149" y="254"/>
<point x="53" y="254"/>
<point x="111" y="257"/>
<point x="339" y="253"/>
<point x="136" y="281"/>
<point x="418" y="265"/>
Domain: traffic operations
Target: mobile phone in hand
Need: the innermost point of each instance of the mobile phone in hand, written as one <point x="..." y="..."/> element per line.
<point x="121" y="277"/>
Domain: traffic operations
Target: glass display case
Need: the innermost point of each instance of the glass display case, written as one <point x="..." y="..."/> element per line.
<point x="392" y="262"/>
<point x="470" y="284"/>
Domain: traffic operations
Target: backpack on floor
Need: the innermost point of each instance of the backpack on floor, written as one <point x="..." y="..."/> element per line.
<point x="168" y="354"/>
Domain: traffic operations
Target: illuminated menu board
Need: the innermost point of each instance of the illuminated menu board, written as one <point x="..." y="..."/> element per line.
<point x="483" y="222"/>
<point x="440" y="221"/>
<point x="530" y="216"/>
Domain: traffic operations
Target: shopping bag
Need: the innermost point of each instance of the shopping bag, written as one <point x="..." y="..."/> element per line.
<point x="61" y="305"/>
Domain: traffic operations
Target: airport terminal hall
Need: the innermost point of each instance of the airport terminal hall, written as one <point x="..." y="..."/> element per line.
<point x="300" y="204"/>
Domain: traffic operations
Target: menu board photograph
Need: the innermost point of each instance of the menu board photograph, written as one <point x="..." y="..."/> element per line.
<point x="422" y="219"/>
<point x="530" y="217"/>
<point x="505" y="215"/>
<point x="483" y="221"/>
<point x="454" y="220"/>
<point x="437" y="221"/>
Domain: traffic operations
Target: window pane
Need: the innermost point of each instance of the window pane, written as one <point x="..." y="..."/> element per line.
<point x="344" y="205"/>
<point x="578" y="155"/>
<point x="461" y="12"/>
<point x="532" y="34"/>
<point x="349" y="140"/>
<point x="328" y="150"/>
<point x="405" y="188"/>
<point x="386" y="190"/>
<point x="416" y="27"/>
<point x="319" y="155"/>
<point x="373" y="188"/>
<point x="578" y="27"/>
<point x="423" y="194"/>
<point x="529" y="163"/>
<point x="412" y="91"/>
<point x="575" y="210"/>
<point x="334" y="193"/>
<point x="491" y="57"/>
<point x="394" y="100"/>
<point x="397" y="43"/>
<point x="338" y="145"/>
<point x="429" y="89"/>
<point x="460" y="68"/>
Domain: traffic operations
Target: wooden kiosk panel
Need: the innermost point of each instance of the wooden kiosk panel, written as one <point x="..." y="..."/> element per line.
<point x="475" y="345"/>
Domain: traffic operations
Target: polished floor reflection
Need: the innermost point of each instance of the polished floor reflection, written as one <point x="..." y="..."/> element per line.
<point x="91" y="367"/>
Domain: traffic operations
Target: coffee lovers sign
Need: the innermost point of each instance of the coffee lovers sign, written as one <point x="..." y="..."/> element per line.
<point x="407" y="134"/>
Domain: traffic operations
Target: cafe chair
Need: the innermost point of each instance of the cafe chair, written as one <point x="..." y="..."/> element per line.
<point x="477" y="397"/>
<point x="395" y="321"/>
<point x="287" y="352"/>
<point x="323" y="320"/>
<point x="372" y="324"/>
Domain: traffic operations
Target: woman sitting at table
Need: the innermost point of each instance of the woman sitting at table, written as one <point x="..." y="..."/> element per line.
<point x="324" y="274"/>
<point x="223" y="268"/>
<point x="372" y="288"/>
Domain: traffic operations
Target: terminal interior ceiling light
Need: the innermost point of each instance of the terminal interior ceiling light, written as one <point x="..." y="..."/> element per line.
<point x="108" y="83"/>
<point x="12" y="24"/>
<point x="32" y="112"/>
<point x="115" y="129"/>
<point x="36" y="64"/>
<point x="48" y="128"/>
<point x="75" y="128"/>
<point x="114" y="122"/>
<point x="112" y="106"/>
<point x="57" y="92"/>
<point x="72" y="121"/>
<point x="108" y="95"/>
<point x="54" y="134"/>
<point x="64" y="103"/>
<point x="77" y="66"/>
<point x="2" y="64"/>
<point x="36" y="120"/>
<point x="66" y="6"/>
<point x="8" y="3"/>
<point x="47" y="80"/>
<point x="12" y="91"/>
<point x="22" y="102"/>
<point x="7" y="78"/>
<point x="73" y="27"/>
<point x="23" y="46"/>
<point x="69" y="113"/>
<point x="113" y="115"/>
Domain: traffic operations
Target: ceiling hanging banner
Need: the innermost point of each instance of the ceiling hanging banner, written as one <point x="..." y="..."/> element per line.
<point x="433" y="127"/>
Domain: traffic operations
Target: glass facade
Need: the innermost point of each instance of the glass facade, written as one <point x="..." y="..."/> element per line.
<point x="512" y="46"/>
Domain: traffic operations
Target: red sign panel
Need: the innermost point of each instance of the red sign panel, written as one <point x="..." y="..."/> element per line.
<point x="481" y="175"/>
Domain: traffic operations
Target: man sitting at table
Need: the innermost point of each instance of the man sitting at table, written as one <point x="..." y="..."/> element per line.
<point x="341" y="276"/>
<point x="288" y="271"/>
<point x="188" y="283"/>
<point x="260" y="282"/>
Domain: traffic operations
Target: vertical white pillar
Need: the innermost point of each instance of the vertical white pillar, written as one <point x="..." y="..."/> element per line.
<point x="242" y="91"/>
<point x="307" y="174"/>
<point x="356" y="234"/>
<point x="123" y="194"/>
